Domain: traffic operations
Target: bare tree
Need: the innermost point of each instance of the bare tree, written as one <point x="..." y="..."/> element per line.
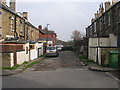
<point x="76" y="35"/>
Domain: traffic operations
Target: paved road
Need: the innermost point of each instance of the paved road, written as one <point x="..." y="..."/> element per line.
<point x="63" y="75"/>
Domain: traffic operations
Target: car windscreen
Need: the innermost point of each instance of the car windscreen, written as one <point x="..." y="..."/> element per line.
<point x="50" y="48"/>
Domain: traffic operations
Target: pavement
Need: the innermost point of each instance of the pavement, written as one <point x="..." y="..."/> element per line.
<point x="95" y="67"/>
<point x="21" y="68"/>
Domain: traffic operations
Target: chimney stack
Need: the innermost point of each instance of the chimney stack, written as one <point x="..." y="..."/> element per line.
<point x="107" y="5"/>
<point x="40" y="27"/>
<point x="101" y="10"/>
<point x="93" y="20"/>
<point x="13" y="5"/>
<point x="114" y="2"/>
<point x="3" y="2"/>
<point x="96" y="15"/>
<point x="25" y="15"/>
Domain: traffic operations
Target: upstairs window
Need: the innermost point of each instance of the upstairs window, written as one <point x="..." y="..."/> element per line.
<point x="95" y="27"/>
<point x="21" y="29"/>
<point x="119" y="15"/>
<point x="109" y="19"/>
<point x="11" y="23"/>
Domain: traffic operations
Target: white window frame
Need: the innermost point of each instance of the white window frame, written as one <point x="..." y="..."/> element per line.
<point x="12" y="24"/>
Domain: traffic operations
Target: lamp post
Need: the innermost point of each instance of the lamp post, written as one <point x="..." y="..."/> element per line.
<point x="47" y="33"/>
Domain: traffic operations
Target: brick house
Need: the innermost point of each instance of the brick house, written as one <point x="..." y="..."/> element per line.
<point x="104" y="33"/>
<point x="46" y="35"/>
<point x="16" y="32"/>
<point x="15" y="24"/>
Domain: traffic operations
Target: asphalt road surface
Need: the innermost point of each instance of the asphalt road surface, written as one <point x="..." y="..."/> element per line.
<point x="64" y="71"/>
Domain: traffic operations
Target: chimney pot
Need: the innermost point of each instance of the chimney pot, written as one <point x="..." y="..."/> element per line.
<point x="92" y="20"/>
<point x="40" y="27"/>
<point x="13" y="5"/>
<point x="101" y="10"/>
<point x="114" y="2"/>
<point x="25" y="15"/>
<point x="3" y="2"/>
<point x="107" y="5"/>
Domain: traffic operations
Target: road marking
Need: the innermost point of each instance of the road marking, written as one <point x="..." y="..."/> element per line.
<point x="112" y="76"/>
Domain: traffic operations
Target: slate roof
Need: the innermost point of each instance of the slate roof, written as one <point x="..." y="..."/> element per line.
<point x="15" y="42"/>
<point x="11" y="11"/>
<point x="45" y="39"/>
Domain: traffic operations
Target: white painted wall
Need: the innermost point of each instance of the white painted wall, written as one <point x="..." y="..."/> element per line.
<point x="93" y="41"/>
<point x="11" y="59"/>
<point x="92" y="54"/>
<point x="104" y="42"/>
<point x="93" y="51"/>
<point x="113" y="40"/>
<point x="99" y="56"/>
<point x="100" y="41"/>
<point x="33" y="54"/>
<point x="40" y="45"/>
<point x="26" y="55"/>
<point x="21" y="57"/>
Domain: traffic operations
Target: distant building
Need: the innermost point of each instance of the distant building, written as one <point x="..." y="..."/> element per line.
<point x="47" y="36"/>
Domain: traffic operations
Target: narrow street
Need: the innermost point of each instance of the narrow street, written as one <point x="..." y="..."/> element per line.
<point x="64" y="60"/>
<point x="64" y="71"/>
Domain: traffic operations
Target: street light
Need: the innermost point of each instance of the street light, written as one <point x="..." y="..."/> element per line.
<point x="47" y="32"/>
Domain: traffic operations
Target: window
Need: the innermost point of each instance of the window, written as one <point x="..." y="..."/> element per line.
<point x="21" y="26"/>
<point x="12" y="23"/>
<point x="95" y="26"/>
<point x="109" y="19"/>
<point x="104" y="20"/>
<point x="101" y="21"/>
<point x="118" y="14"/>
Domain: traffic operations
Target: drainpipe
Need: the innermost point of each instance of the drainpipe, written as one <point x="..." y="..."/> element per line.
<point x="98" y="49"/>
<point x="24" y="31"/>
<point x="15" y="32"/>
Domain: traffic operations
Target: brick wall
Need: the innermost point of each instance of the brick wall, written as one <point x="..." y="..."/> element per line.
<point x="8" y="48"/>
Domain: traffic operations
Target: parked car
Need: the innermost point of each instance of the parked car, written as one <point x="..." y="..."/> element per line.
<point x="59" y="48"/>
<point x="52" y="51"/>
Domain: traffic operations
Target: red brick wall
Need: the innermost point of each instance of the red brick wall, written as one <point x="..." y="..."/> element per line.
<point x="11" y="47"/>
<point x="48" y="36"/>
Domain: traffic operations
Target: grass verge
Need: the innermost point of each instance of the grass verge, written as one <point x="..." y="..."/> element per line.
<point x="11" y="68"/>
<point x="29" y="65"/>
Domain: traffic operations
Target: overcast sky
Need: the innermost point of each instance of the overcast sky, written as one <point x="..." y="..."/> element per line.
<point x="64" y="16"/>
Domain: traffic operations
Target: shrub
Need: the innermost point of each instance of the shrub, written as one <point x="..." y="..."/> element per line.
<point x="82" y="57"/>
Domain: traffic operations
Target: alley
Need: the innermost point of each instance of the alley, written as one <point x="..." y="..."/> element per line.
<point x="65" y="59"/>
<point x="64" y="71"/>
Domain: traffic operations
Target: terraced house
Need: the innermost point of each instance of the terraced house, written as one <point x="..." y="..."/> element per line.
<point x="104" y="32"/>
<point x="15" y="24"/>
<point x="18" y="37"/>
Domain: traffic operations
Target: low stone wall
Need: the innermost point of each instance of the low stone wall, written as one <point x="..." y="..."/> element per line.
<point x="92" y="54"/>
<point x="105" y="54"/>
<point x="33" y="54"/>
<point x="7" y="60"/>
<point x="40" y="52"/>
<point x="21" y="57"/>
